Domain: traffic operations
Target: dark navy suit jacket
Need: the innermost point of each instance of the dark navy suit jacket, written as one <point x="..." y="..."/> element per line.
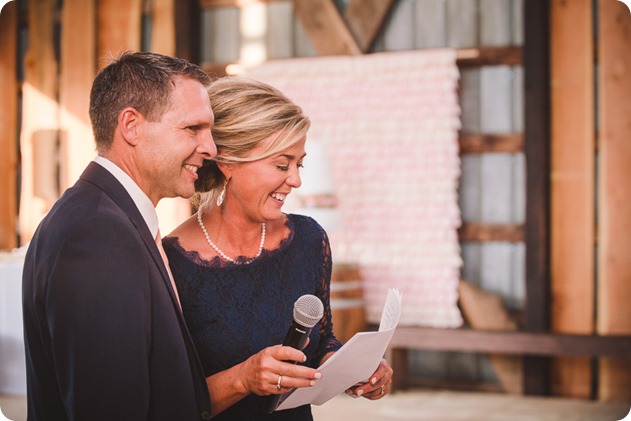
<point x="105" y="339"/>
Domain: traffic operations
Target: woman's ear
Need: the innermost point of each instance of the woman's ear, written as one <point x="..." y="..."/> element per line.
<point x="226" y="169"/>
<point x="129" y="125"/>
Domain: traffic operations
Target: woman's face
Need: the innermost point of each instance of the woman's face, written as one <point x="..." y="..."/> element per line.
<point x="259" y="188"/>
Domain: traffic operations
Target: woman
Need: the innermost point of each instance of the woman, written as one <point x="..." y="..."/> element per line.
<point x="240" y="263"/>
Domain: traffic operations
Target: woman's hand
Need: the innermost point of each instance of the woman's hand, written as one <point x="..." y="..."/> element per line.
<point x="268" y="372"/>
<point x="378" y="385"/>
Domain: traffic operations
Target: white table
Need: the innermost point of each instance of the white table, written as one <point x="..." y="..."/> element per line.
<point x="12" y="361"/>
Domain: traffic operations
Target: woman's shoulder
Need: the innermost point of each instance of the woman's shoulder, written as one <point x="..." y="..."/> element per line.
<point x="305" y="225"/>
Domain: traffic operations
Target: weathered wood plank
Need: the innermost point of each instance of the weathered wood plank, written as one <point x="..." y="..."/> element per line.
<point x="78" y="68"/>
<point x="484" y="232"/>
<point x="572" y="188"/>
<point x="481" y="142"/>
<point x="118" y="28"/>
<point x="614" y="203"/>
<point x="279" y="40"/>
<point x="365" y="19"/>
<point x="325" y="26"/>
<point x="510" y="343"/>
<point x="40" y="124"/>
<point x="430" y="23"/>
<point x="398" y="35"/>
<point x="489" y="56"/>
<point x="8" y="126"/>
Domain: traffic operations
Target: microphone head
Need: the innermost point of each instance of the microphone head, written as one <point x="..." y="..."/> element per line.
<point x="308" y="310"/>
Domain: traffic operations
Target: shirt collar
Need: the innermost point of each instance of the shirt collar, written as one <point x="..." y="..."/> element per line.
<point x="142" y="201"/>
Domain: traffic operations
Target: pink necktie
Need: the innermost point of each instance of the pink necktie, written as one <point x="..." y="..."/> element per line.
<point x="166" y="263"/>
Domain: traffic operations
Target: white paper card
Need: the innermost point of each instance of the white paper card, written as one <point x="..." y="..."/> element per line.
<point x="351" y="364"/>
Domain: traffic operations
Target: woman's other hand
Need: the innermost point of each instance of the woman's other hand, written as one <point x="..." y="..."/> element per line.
<point x="378" y="385"/>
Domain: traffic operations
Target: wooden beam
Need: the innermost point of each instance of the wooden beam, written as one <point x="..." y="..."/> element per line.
<point x="188" y="20"/>
<point x="118" y="28"/>
<point x="326" y="28"/>
<point x="614" y="202"/>
<point x="489" y="56"/>
<point x="510" y="343"/>
<point x="40" y="124"/>
<point x="572" y="188"/>
<point x="537" y="151"/>
<point x="482" y="232"/>
<point x="472" y="143"/>
<point x="8" y="126"/>
<point x="78" y="68"/>
<point x="365" y="19"/>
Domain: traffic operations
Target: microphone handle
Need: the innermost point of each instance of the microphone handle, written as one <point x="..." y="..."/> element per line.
<point x="296" y="338"/>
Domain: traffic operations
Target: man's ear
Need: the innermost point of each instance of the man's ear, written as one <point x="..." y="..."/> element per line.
<point x="129" y="125"/>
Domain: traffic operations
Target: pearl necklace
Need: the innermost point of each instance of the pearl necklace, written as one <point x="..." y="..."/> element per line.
<point x="221" y="253"/>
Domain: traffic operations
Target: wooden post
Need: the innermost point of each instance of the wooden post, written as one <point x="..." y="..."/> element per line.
<point x="614" y="202"/>
<point x="8" y="126"/>
<point x="537" y="148"/>
<point x="40" y="124"/>
<point x="118" y="28"/>
<point x="572" y="188"/>
<point x="78" y="68"/>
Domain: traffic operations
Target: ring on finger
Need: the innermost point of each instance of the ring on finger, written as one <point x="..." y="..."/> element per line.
<point x="278" y="386"/>
<point x="383" y="389"/>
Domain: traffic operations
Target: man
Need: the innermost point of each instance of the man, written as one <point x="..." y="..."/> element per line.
<point x="104" y="333"/>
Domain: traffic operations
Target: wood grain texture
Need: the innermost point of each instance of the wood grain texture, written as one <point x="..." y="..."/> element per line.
<point x="118" y="28"/>
<point x="78" y="68"/>
<point x="572" y="182"/>
<point x="365" y="19"/>
<point x="325" y="26"/>
<point x="40" y="124"/>
<point x="614" y="203"/>
<point x="8" y="126"/>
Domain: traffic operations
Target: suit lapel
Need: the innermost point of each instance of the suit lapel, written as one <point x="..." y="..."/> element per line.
<point x="104" y="180"/>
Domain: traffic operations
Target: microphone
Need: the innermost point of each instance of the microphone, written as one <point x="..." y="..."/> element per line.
<point x="308" y="311"/>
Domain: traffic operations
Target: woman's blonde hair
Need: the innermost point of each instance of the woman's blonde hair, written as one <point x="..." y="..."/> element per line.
<point x="247" y="112"/>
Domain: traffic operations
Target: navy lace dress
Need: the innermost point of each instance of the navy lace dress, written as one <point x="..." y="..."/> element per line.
<point x="234" y="311"/>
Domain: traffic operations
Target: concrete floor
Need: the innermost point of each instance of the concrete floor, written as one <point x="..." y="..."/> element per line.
<point x="435" y="406"/>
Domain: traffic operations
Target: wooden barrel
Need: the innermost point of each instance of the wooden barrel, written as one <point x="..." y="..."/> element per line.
<point x="347" y="303"/>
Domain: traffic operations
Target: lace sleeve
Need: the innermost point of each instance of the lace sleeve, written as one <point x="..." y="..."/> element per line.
<point x="328" y="341"/>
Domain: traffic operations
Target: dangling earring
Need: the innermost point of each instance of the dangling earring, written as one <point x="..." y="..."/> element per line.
<point x="222" y="195"/>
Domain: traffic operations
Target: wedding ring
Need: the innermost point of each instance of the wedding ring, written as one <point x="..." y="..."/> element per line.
<point x="278" y="382"/>
<point x="383" y="389"/>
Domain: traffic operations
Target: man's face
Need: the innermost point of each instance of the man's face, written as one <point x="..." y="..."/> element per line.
<point x="173" y="148"/>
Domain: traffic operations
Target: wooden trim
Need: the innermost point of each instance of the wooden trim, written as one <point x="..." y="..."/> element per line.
<point x="210" y="4"/>
<point x="508" y="342"/>
<point x="365" y="18"/>
<point x="494" y="143"/>
<point x="537" y="150"/>
<point x="480" y="232"/>
<point x="490" y="56"/>
<point x="8" y="126"/>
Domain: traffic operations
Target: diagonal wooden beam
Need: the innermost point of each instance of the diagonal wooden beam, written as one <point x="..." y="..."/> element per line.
<point x="326" y="28"/>
<point x="365" y="18"/>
